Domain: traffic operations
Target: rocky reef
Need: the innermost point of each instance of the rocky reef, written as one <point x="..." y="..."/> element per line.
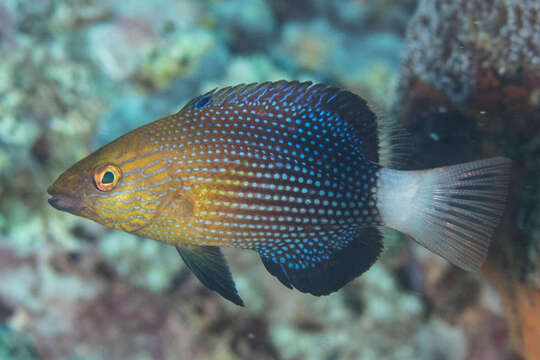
<point x="470" y="88"/>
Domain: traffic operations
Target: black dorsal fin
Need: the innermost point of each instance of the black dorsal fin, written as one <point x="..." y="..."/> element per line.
<point x="326" y="269"/>
<point x="349" y="108"/>
<point x="210" y="267"/>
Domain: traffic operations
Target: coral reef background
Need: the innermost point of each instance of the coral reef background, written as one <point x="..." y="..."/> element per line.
<point x="462" y="76"/>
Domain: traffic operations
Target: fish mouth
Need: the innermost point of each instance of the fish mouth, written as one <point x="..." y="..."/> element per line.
<point x="64" y="202"/>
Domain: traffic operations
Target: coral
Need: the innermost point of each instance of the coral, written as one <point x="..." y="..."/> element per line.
<point x="119" y="48"/>
<point x="310" y="46"/>
<point x="145" y="263"/>
<point x="449" y="50"/>
<point x="431" y="346"/>
<point x="179" y="58"/>
<point x="246" y="69"/>
<point x="318" y="47"/>
<point x="358" y="17"/>
<point x="373" y="302"/>
<point x="375" y="76"/>
<point x="364" y="16"/>
<point x="470" y="79"/>
<point x="15" y="346"/>
<point x="248" y="24"/>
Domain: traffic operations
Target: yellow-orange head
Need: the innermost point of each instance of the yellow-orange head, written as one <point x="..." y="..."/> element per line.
<point x="123" y="185"/>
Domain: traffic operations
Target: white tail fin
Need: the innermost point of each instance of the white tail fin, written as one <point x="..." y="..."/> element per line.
<point x="452" y="211"/>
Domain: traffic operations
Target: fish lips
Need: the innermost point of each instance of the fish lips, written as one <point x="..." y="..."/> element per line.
<point x="65" y="202"/>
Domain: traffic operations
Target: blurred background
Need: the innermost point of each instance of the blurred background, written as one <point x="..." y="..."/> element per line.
<point x="462" y="76"/>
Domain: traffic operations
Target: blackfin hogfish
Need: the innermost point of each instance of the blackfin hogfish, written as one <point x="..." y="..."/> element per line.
<point x="291" y="170"/>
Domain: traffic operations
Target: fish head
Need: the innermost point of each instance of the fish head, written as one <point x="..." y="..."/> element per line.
<point x="124" y="185"/>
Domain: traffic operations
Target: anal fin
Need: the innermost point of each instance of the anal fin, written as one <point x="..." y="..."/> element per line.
<point x="326" y="264"/>
<point x="210" y="267"/>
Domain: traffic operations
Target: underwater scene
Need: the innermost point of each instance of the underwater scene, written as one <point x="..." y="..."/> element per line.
<point x="285" y="183"/>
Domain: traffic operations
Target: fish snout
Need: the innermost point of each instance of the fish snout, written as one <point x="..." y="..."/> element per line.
<point x="65" y="203"/>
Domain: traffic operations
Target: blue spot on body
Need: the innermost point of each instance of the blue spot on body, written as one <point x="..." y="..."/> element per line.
<point x="202" y="101"/>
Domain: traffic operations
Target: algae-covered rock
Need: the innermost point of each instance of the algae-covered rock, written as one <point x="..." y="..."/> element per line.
<point x="454" y="46"/>
<point x="469" y="85"/>
<point x="469" y="89"/>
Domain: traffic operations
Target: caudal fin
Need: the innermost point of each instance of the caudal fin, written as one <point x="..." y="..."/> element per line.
<point x="452" y="211"/>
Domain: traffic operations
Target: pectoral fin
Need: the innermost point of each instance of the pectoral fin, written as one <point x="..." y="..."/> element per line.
<point x="210" y="266"/>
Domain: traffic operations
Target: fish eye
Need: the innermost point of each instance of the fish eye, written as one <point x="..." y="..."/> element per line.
<point x="106" y="176"/>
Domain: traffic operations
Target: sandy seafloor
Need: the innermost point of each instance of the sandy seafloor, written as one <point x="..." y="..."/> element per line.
<point x="75" y="74"/>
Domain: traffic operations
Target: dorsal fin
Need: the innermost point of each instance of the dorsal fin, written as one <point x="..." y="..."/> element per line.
<point x="346" y="106"/>
<point x="396" y="144"/>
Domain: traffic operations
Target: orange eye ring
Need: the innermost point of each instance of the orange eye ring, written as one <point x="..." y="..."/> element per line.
<point x="107" y="176"/>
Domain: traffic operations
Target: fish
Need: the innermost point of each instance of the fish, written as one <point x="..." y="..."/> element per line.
<point x="300" y="173"/>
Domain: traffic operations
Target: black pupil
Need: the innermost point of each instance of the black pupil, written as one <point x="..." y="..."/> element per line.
<point x="108" y="177"/>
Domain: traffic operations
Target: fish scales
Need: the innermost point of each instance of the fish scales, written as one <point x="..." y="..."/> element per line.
<point x="262" y="178"/>
<point x="288" y="169"/>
